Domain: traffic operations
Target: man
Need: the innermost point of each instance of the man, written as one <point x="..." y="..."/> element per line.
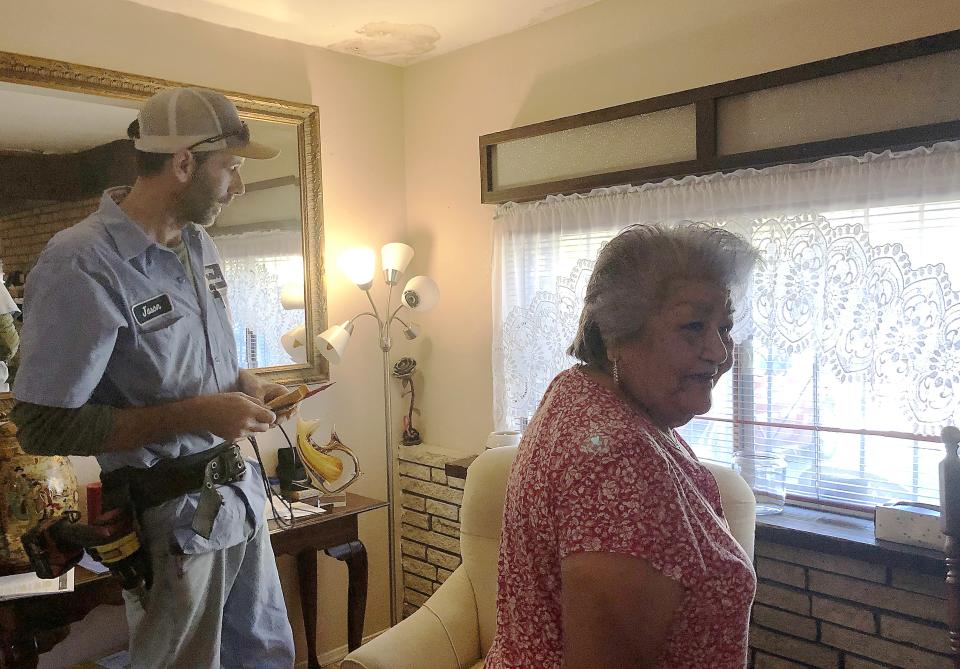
<point x="129" y="355"/>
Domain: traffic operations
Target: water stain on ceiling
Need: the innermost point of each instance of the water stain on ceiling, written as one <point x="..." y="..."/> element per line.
<point x="396" y="43"/>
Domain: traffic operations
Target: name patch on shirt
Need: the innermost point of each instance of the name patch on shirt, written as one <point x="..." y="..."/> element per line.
<point x="216" y="283"/>
<point x="155" y="307"/>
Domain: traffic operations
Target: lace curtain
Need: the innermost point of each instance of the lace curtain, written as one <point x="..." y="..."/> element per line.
<point x="256" y="266"/>
<point x="852" y="325"/>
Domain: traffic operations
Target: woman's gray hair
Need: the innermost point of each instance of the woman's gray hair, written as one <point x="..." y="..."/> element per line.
<point x="634" y="270"/>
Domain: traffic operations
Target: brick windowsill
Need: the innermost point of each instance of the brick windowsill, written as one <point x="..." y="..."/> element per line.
<point x="848" y="536"/>
<point x="458" y="468"/>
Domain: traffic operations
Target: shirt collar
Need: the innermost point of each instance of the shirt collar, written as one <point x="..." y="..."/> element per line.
<point x="129" y="237"/>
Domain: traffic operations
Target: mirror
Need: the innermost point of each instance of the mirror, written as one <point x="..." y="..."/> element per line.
<point x="63" y="141"/>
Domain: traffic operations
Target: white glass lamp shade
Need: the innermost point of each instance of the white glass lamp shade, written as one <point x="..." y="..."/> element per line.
<point x="394" y="259"/>
<point x="294" y="342"/>
<point x="359" y="264"/>
<point x="291" y="296"/>
<point x="333" y="341"/>
<point x="421" y="293"/>
<point x="411" y="331"/>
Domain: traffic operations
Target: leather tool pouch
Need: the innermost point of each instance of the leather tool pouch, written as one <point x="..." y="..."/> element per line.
<point x="170" y="479"/>
<point x="55" y="545"/>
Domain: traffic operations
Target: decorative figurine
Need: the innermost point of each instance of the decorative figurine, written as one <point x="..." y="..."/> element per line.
<point x="403" y="370"/>
<point x="325" y="469"/>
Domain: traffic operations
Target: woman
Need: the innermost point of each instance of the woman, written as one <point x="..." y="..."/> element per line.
<point x="614" y="551"/>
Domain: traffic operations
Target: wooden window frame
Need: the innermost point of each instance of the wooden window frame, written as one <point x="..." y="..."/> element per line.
<point x="705" y="100"/>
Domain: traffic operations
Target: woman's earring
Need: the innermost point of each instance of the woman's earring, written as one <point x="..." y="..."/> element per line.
<point x="616" y="374"/>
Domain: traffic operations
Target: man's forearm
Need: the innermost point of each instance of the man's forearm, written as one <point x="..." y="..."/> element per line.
<point x="44" y="430"/>
<point x="138" y="426"/>
<point x="95" y="428"/>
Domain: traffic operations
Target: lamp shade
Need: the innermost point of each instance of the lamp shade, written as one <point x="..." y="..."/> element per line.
<point x="358" y="264"/>
<point x="411" y="331"/>
<point x="395" y="257"/>
<point x="294" y="342"/>
<point x="421" y="293"/>
<point x="291" y="296"/>
<point x="333" y="341"/>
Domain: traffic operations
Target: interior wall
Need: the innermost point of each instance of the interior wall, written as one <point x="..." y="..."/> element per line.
<point x="609" y="53"/>
<point x="363" y="202"/>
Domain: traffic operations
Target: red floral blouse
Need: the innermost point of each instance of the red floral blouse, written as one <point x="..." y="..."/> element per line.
<point x="592" y="475"/>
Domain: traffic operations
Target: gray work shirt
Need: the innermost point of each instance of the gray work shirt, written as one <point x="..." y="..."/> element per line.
<point x="111" y="317"/>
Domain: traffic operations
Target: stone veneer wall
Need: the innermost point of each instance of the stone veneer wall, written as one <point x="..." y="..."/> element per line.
<point x="24" y="233"/>
<point x="430" y="521"/>
<point x="812" y="609"/>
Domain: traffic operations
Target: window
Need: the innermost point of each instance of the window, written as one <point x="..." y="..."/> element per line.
<point x="850" y="365"/>
<point x="257" y="266"/>
<point x="856" y="418"/>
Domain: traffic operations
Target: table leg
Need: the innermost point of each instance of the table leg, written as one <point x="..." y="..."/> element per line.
<point x="354" y="554"/>
<point x="307" y="575"/>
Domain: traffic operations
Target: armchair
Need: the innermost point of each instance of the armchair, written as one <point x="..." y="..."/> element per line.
<point x="455" y="627"/>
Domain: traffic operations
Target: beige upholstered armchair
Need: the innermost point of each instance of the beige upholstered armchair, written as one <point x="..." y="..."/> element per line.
<point x="454" y="628"/>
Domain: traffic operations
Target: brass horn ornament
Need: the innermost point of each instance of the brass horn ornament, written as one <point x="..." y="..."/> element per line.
<point x="324" y="468"/>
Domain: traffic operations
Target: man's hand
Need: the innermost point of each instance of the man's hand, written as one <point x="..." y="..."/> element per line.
<point x="233" y="416"/>
<point x="265" y="391"/>
<point x="230" y="416"/>
<point x="254" y="386"/>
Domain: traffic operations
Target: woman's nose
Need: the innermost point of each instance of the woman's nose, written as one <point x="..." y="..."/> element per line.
<point x="715" y="349"/>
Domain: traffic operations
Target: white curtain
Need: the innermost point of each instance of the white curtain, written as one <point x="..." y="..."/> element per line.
<point x="257" y="265"/>
<point x="855" y="301"/>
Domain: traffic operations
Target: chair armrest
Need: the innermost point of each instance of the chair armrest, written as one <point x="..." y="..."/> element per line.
<point x="739" y="504"/>
<point x="442" y="634"/>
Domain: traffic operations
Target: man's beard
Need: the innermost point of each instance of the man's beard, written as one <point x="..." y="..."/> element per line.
<point x="198" y="203"/>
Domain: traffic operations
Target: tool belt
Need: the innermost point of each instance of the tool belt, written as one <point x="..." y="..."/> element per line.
<point x="173" y="478"/>
<point x="57" y="543"/>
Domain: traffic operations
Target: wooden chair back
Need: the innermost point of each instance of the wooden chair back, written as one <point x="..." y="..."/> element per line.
<point x="950" y="524"/>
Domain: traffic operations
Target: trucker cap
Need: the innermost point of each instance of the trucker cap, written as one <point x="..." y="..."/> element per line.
<point x="197" y="119"/>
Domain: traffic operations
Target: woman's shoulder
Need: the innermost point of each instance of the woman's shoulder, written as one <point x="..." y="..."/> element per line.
<point x="579" y="416"/>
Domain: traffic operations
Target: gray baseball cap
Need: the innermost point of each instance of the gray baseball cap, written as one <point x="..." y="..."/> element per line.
<point x="197" y="119"/>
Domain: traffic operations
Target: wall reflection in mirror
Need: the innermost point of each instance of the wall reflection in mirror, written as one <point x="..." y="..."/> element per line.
<point x="60" y="149"/>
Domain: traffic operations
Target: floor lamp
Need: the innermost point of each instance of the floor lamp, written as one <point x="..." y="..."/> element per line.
<point x="419" y="294"/>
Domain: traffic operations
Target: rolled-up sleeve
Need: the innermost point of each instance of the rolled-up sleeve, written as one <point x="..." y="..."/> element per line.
<point x="43" y="430"/>
<point x="70" y="326"/>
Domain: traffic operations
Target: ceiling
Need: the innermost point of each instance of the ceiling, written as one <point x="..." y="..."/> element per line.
<point x="399" y="32"/>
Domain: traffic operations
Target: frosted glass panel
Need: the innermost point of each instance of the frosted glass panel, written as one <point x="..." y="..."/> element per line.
<point x="649" y="139"/>
<point x="886" y="97"/>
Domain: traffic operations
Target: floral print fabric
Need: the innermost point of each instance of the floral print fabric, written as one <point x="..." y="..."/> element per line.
<point x="592" y="475"/>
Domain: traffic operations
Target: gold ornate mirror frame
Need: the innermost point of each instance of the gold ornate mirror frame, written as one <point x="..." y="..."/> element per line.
<point x="60" y="75"/>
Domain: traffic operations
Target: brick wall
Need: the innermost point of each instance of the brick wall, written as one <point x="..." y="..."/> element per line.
<point x="24" y="234"/>
<point x="832" y="612"/>
<point x="430" y="521"/>
<point x="813" y="609"/>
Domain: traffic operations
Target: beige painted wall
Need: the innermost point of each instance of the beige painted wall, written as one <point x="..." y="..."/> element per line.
<point x="362" y="143"/>
<point x="609" y="53"/>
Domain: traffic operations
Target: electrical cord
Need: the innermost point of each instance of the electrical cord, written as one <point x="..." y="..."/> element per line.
<point x="272" y="496"/>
